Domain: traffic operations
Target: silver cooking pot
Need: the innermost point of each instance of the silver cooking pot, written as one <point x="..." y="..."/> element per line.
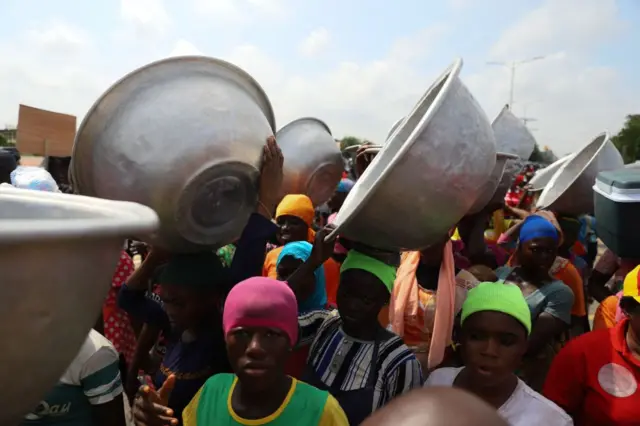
<point x="489" y="195"/>
<point x="542" y="177"/>
<point x="512" y="137"/>
<point x="59" y="254"/>
<point x="313" y="164"/>
<point x="427" y="176"/>
<point x="183" y="136"/>
<point x="570" y="190"/>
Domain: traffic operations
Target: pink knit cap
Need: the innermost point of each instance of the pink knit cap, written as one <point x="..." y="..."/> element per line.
<point x="262" y="302"/>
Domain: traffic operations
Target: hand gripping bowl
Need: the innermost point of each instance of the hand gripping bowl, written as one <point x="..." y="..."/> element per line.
<point x="512" y="137"/>
<point x="313" y="164"/>
<point x="183" y="136"/>
<point x="542" y="177"/>
<point x="59" y="253"/>
<point x="427" y="176"/>
<point x="570" y="190"/>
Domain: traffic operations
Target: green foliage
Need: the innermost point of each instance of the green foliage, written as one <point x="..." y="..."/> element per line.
<point x="4" y="141"/>
<point x="544" y="156"/>
<point x="628" y="139"/>
<point x="348" y="141"/>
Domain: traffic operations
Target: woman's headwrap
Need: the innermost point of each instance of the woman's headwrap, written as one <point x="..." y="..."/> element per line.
<point x="301" y="250"/>
<point x="537" y="227"/>
<point x="300" y="206"/>
<point x="262" y="302"/>
<point x="345" y="185"/>
<point x="356" y="260"/>
<point x="200" y="271"/>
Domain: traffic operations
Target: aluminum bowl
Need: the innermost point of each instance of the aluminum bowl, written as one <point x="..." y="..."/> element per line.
<point x="183" y="136"/>
<point x="488" y="194"/>
<point x="313" y="164"/>
<point x="570" y="190"/>
<point x="394" y="127"/>
<point x="427" y="176"/>
<point x="59" y="253"/>
<point x="542" y="177"/>
<point x="512" y="137"/>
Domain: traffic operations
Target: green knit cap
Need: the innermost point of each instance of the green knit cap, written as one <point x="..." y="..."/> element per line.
<point x="384" y="272"/>
<point x="497" y="297"/>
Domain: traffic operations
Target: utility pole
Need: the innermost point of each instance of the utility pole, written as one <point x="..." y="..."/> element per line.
<point x="512" y="65"/>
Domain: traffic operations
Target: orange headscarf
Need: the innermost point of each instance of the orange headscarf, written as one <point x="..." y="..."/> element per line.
<point x="300" y="206"/>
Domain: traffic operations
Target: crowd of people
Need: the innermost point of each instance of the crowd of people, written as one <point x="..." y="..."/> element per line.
<point x="286" y="326"/>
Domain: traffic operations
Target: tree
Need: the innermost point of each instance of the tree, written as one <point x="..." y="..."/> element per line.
<point x="348" y="141"/>
<point x="536" y="155"/>
<point x="628" y="139"/>
<point x="4" y="141"/>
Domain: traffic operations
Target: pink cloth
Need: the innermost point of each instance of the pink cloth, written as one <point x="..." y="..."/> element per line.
<point x="445" y="308"/>
<point x="405" y="301"/>
<point x="262" y="302"/>
<point x="337" y="248"/>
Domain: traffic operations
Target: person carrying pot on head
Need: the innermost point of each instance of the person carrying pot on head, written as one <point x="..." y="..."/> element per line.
<point x="595" y="376"/>
<point x="549" y="300"/>
<point x="294" y="216"/>
<point x="192" y="289"/>
<point x="260" y="325"/>
<point x="427" y="294"/>
<point x="352" y="356"/>
<point x="495" y="326"/>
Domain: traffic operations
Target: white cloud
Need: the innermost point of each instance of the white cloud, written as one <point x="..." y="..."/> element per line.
<point x="185" y="48"/>
<point x="146" y="17"/>
<point x="315" y="42"/>
<point x="571" y="99"/>
<point x="240" y="12"/>
<point x="59" y="38"/>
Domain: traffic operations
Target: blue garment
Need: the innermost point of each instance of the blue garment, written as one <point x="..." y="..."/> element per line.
<point x="345" y="185"/>
<point x="555" y="298"/>
<point x="537" y="227"/>
<point x="301" y="250"/>
<point x="193" y="362"/>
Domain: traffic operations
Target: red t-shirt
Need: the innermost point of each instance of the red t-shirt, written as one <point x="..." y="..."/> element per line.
<point x="595" y="379"/>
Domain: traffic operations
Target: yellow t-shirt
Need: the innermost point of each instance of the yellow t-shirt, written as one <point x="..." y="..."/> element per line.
<point x="332" y="415"/>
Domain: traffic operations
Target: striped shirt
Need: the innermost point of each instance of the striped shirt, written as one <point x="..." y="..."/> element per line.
<point x="343" y="362"/>
<point x="93" y="378"/>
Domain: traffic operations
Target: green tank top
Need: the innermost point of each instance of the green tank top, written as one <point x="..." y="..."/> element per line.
<point x="303" y="406"/>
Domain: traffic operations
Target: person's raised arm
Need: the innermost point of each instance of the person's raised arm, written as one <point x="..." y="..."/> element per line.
<point x="260" y="229"/>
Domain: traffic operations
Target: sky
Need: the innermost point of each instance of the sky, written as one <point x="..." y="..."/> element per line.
<point x="358" y="65"/>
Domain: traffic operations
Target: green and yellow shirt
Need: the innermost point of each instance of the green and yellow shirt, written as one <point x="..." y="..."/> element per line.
<point x="303" y="406"/>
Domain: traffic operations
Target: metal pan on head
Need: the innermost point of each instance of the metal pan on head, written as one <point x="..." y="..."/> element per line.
<point x="570" y="190"/>
<point x="313" y="163"/>
<point x="427" y="175"/>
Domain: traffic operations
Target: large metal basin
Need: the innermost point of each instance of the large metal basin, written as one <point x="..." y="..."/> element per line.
<point x="427" y="176"/>
<point x="488" y="194"/>
<point x="59" y="253"/>
<point x="570" y="190"/>
<point x="183" y="136"/>
<point x="512" y="137"/>
<point x="313" y="164"/>
<point x="543" y="176"/>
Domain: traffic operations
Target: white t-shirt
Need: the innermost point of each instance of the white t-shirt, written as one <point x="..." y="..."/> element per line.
<point x="525" y="407"/>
